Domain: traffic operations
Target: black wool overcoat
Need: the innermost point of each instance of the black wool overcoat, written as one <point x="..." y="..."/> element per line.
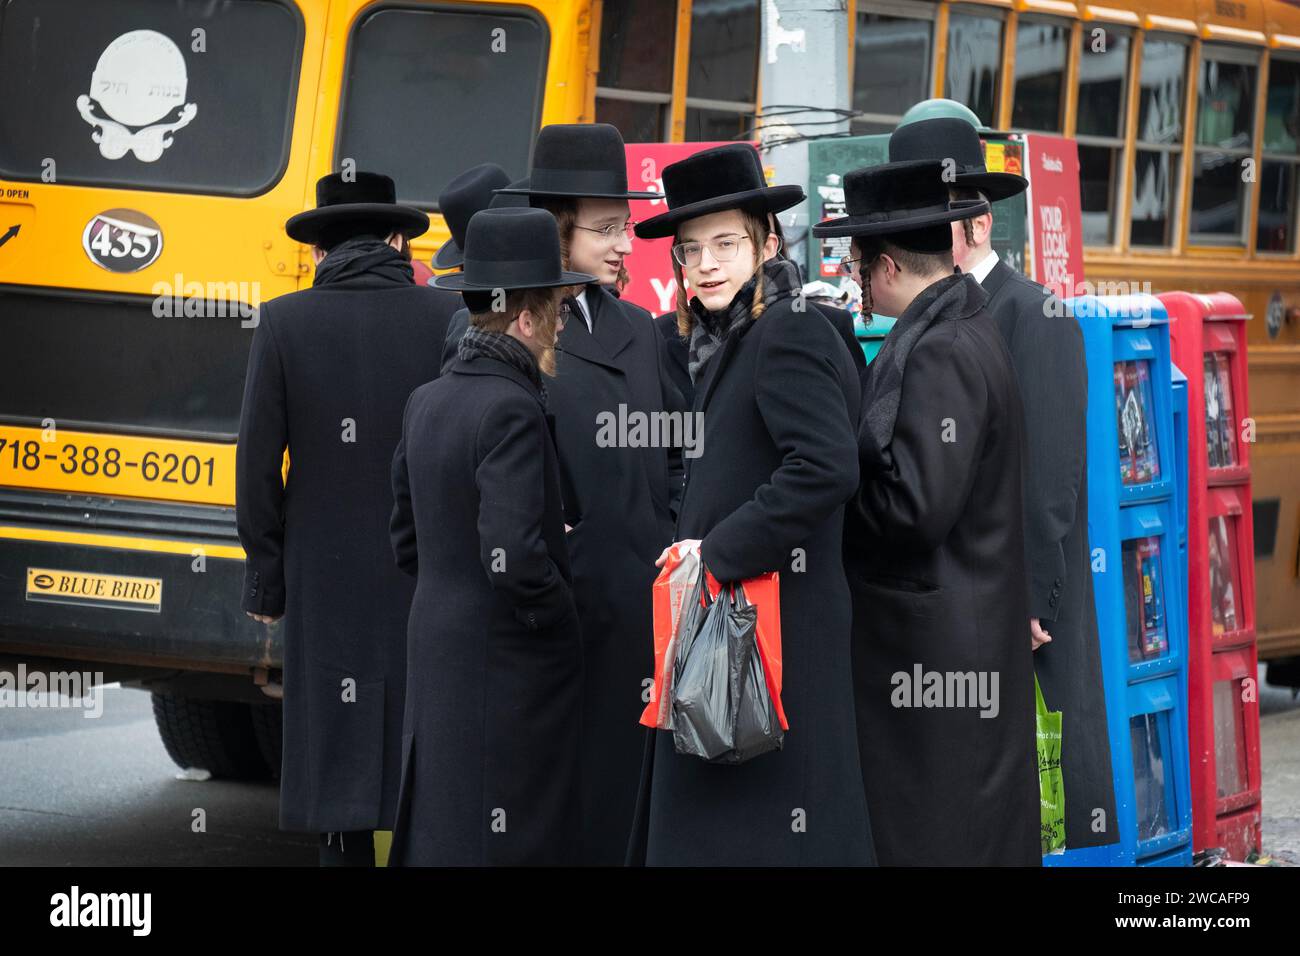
<point x="620" y="492"/>
<point x="678" y="353"/>
<point x="779" y="400"/>
<point x="936" y="561"/>
<point x="329" y="371"/>
<point x="493" y="705"/>
<point x="1047" y="351"/>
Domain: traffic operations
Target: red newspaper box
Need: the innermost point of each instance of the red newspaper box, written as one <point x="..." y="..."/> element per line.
<point x="1208" y="342"/>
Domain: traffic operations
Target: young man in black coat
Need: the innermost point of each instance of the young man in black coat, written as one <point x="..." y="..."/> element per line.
<point x="943" y="675"/>
<point x="620" y="474"/>
<point x="329" y="371"/>
<point x="778" y="394"/>
<point x="839" y="319"/>
<point x="1046" y="348"/>
<point x="482" y="200"/>
<point x="494" y="700"/>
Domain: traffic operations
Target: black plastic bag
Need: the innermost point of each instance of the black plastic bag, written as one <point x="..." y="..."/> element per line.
<point x="695" y="608"/>
<point x="722" y="711"/>
<point x="758" y="729"/>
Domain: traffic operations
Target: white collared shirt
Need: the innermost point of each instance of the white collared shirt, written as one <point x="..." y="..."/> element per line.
<point x="581" y="299"/>
<point x="982" y="269"/>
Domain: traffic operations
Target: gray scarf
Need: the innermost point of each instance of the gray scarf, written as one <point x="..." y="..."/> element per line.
<point x="951" y="298"/>
<point x="504" y="348"/>
<point x="711" y="329"/>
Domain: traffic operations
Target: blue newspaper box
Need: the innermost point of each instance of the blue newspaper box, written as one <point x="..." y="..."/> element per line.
<point x="1137" y="530"/>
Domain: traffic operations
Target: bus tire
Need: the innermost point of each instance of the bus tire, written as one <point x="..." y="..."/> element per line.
<point x="212" y="735"/>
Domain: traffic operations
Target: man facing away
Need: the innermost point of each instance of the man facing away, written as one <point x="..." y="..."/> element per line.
<point x="329" y="370"/>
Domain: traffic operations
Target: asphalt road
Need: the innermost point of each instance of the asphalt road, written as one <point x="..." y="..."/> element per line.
<point x="102" y="791"/>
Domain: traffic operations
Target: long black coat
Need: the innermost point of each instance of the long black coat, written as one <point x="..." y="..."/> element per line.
<point x="936" y="561"/>
<point x="767" y="494"/>
<point x="1047" y="351"/>
<point x="493" y="705"/>
<point x="346" y="352"/>
<point x="678" y="354"/>
<point x="620" y="502"/>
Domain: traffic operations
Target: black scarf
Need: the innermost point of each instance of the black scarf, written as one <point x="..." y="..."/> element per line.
<point x="504" y="348"/>
<point x="711" y="329"/>
<point x="364" y="255"/>
<point x="952" y="297"/>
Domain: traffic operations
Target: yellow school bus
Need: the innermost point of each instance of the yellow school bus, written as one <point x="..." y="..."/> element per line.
<point x="150" y="153"/>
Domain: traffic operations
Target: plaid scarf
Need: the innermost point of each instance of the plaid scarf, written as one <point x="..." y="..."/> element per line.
<point x="504" y="348"/>
<point x="711" y="329"/>
<point x="951" y="298"/>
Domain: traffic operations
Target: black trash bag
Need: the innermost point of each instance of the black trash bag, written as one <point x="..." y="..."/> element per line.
<point x="758" y="729"/>
<point x="695" y="608"/>
<point x="704" y="694"/>
<point x="722" y="711"/>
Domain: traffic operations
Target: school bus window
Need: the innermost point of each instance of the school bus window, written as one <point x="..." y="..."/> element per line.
<point x="1225" y="115"/>
<point x="722" y="82"/>
<point x="1099" y="128"/>
<point x="128" y="94"/>
<point x="891" y="67"/>
<point x="634" y="86"/>
<point x="414" y="74"/>
<point x="1277" y="180"/>
<point x="1042" y="49"/>
<point x="1162" y="83"/>
<point x="974" y="63"/>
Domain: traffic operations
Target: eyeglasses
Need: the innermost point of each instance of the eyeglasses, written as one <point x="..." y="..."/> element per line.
<point x="611" y="232"/>
<point x="849" y="267"/>
<point x="723" y="249"/>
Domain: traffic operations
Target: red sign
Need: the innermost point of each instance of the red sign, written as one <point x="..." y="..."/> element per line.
<point x="1055" y="222"/>
<point x="650" y="266"/>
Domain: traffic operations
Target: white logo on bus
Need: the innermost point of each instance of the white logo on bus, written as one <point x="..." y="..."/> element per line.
<point x="139" y="81"/>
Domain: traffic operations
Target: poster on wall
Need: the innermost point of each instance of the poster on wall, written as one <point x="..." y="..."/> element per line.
<point x="1055" y="218"/>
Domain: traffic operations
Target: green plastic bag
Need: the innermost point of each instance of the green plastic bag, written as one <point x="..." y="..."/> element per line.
<point x="1051" y="786"/>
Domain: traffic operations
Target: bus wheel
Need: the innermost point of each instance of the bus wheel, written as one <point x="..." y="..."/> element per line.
<point x="212" y="735"/>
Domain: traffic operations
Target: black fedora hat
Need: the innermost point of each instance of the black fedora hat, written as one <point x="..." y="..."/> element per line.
<point x="899" y="198"/>
<point x="511" y="200"/>
<point x="581" y="161"/>
<point x="465" y="195"/>
<point x="362" y="203"/>
<point x="511" y="249"/>
<point x="712" y="180"/>
<point x="944" y="138"/>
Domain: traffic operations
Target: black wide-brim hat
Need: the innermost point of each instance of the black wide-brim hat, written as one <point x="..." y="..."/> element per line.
<point x="950" y="138"/>
<point x="515" y="200"/>
<point x="897" y="198"/>
<point x="714" y="180"/>
<point x="365" y="203"/>
<point x="463" y="196"/>
<point x="579" y="161"/>
<point x="511" y="249"/>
